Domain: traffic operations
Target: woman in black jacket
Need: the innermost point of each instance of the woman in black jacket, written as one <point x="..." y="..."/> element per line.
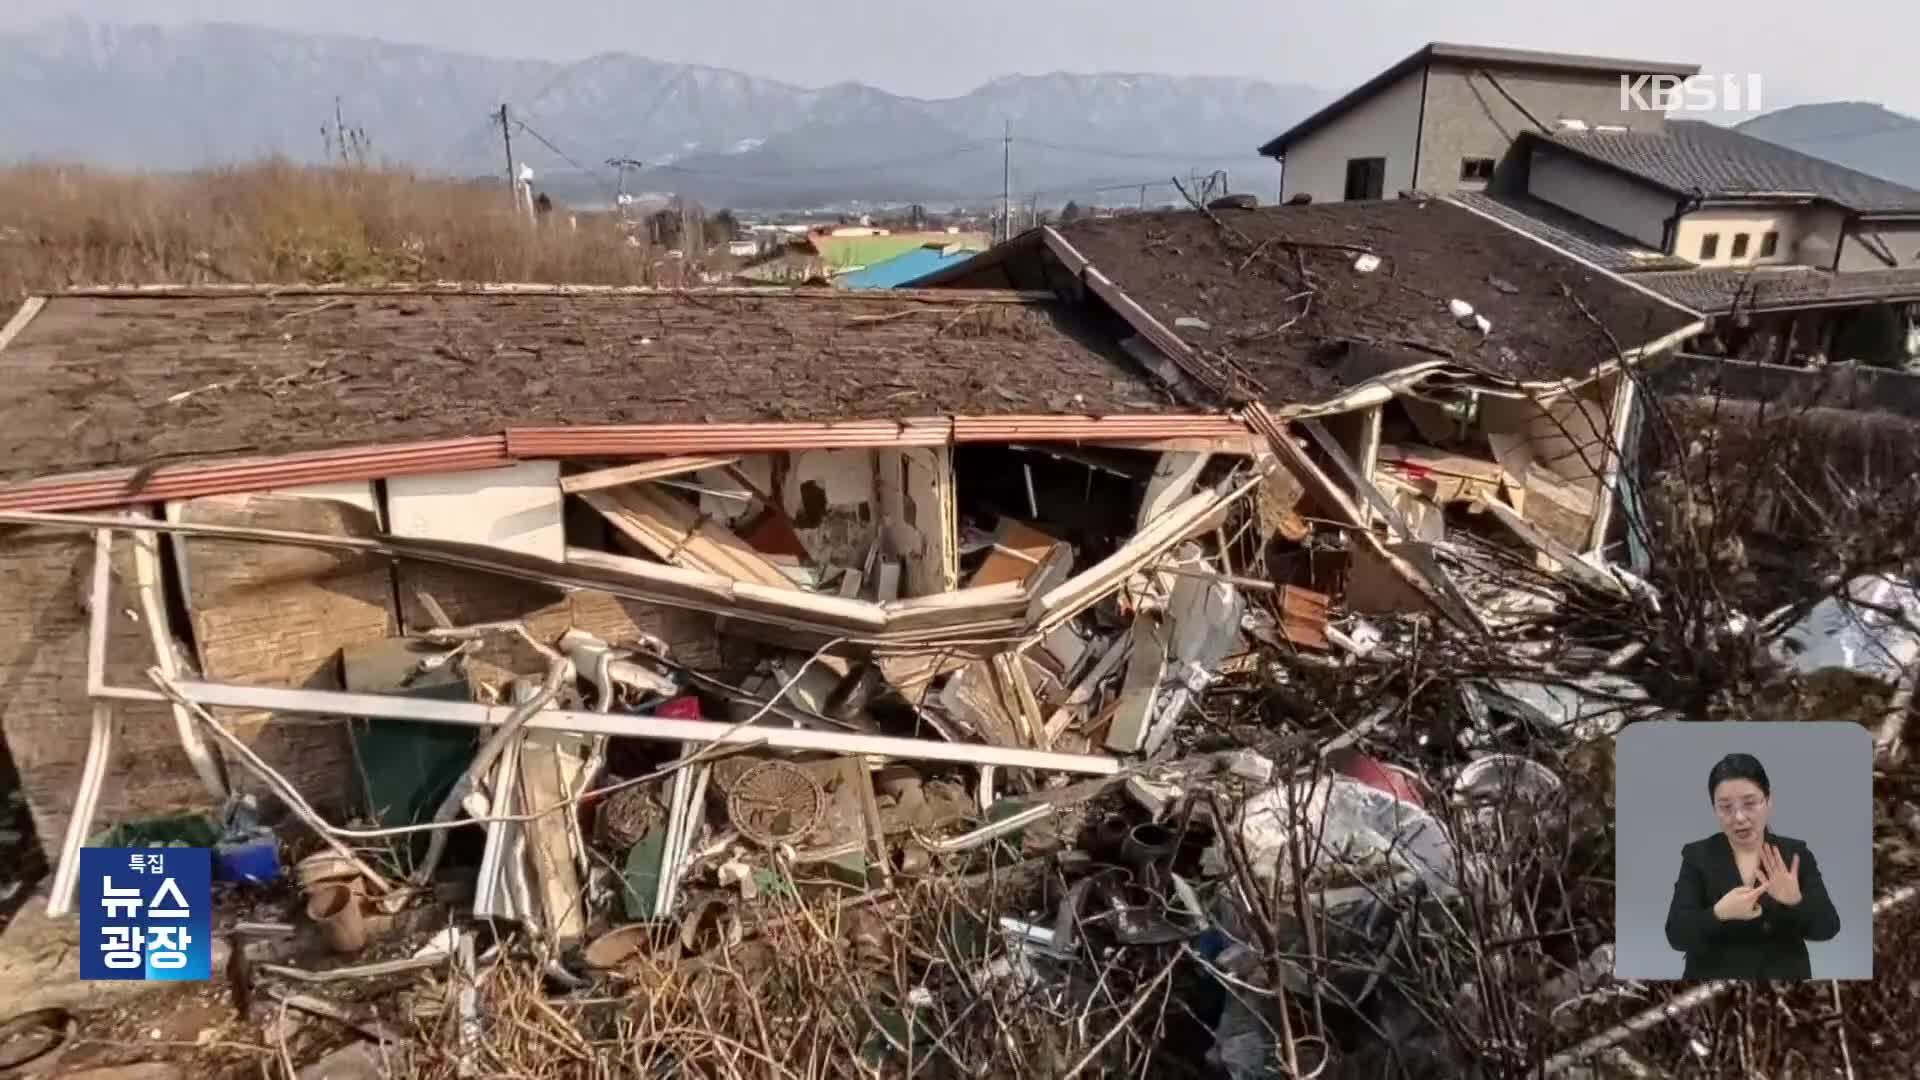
<point x="1747" y="900"/>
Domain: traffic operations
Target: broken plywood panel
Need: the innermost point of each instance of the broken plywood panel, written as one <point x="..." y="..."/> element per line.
<point x="1567" y="436"/>
<point x="43" y="688"/>
<point x="1303" y="616"/>
<point x="1374" y="587"/>
<point x="269" y="615"/>
<point x="1562" y="509"/>
<point x="920" y="520"/>
<point x="1018" y="551"/>
<point x="553" y="767"/>
<point x="1147" y="650"/>
<point x="515" y="509"/>
<point x="673" y="531"/>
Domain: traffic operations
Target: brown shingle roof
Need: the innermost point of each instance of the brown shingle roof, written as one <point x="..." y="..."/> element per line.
<point x="1726" y="289"/>
<point x="97" y="381"/>
<point x="1692" y="156"/>
<point x="1182" y="265"/>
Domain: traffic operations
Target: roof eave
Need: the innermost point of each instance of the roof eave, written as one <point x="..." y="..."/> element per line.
<point x="1277" y="146"/>
<point x="1536" y="138"/>
<point x="1482" y="54"/>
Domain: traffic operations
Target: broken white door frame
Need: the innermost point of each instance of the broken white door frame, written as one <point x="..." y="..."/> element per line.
<point x="146" y="569"/>
<point x="100" y="738"/>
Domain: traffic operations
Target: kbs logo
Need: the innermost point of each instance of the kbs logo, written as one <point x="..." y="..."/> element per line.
<point x="1695" y="93"/>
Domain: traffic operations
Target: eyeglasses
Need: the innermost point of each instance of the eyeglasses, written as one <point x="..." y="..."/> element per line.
<point x="1749" y="807"/>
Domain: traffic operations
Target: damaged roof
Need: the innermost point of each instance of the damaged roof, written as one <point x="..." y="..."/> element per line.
<point x="130" y="379"/>
<point x="1229" y="284"/>
<point x="1692" y="156"/>
<point x="1569" y="232"/>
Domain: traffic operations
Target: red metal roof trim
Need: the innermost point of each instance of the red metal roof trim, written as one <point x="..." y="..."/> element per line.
<point x="975" y="429"/>
<point x="121" y="486"/>
<point x="614" y="440"/>
<point x="187" y="480"/>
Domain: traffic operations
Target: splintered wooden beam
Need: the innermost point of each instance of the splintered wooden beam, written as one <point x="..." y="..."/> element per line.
<point x="639" y="472"/>
<point x="1564" y="559"/>
<point x="677" y="533"/>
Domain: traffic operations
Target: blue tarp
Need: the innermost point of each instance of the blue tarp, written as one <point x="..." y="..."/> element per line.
<point x="901" y="269"/>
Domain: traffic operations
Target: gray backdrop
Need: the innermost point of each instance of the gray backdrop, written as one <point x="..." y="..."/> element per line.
<point x="1822" y="776"/>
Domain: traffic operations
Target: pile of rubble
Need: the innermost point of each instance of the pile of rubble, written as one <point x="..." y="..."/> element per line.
<point x="1234" y="742"/>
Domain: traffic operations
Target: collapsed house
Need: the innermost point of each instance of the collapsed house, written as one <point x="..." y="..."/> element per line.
<point x="425" y="545"/>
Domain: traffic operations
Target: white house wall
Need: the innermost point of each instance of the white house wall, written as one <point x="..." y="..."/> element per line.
<point x="1899" y="239"/>
<point x="1632" y="209"/>
<point x="1753" y="223"/>
<point x="514" y="509"/>
<point x="1386" y="125"/>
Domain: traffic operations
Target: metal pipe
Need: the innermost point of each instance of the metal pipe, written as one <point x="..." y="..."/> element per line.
<point x="969" y="841"/>
<point x="66" y="879"/>
<point x="146" y="566"/>
<point x="392" y="707"/>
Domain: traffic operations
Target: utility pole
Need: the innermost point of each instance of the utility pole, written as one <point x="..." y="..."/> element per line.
<point x="622" y="164"/>
<point x="506" y="136"/>
<point x="1006" y="184"/>
<point x="339" y="129"/>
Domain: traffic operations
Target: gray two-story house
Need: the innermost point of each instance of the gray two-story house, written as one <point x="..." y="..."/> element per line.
<point x="1817" y="260"/>
<point x="1445" y="118"/>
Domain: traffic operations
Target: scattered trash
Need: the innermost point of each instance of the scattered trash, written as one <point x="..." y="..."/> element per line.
<point x="1592" y="706"/>
<point x="1366" y="264"/>
<point x="1188" y="322"/>
<point x="1462" y="311"/>
<point x="1872" y="628"/>
<point x="335" y="908"/>
<point x="1348" y="831"/>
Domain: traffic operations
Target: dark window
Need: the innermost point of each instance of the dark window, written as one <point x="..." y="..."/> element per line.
<point x="1366" y="177"/>
<point x="1709" y="246"/>
<point x="1769" y="244"/>
<point x="1739" y="245"/>
<point x="1476" y="168"/>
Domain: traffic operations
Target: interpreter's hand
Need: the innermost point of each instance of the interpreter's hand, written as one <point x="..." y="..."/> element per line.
<point x="1739" y="904"/>
<point x="1780" y="880"/>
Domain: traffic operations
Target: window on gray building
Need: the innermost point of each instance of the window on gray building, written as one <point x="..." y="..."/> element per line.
<point x="1740" y="245"/>
<point x="1769" y="244"/>
<point x="1366" y="177"/>
<point x="1476" y="168"/>
<point x="1709" y="246"/>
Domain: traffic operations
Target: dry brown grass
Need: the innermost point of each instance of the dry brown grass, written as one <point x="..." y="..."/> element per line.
<point x="278" y="222"/>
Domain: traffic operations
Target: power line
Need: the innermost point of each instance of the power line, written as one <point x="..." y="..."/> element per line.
<point x="544" y="141"/>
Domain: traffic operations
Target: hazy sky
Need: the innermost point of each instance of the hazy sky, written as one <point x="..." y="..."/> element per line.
<point x="1839" y="49"/>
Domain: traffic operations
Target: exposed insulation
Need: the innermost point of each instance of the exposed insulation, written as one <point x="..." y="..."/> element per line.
<point x="272" y="615"/>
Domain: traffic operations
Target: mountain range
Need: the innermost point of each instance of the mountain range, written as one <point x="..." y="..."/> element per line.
<point x="182" y="97"/>
<point x="1857" y="134"/>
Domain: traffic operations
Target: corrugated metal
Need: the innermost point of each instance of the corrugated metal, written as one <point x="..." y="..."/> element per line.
<point x="975" y="429"/>
<point x="902" y="269"/>
<point x="121" y="486"/>
<point x="621" y="439"/>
